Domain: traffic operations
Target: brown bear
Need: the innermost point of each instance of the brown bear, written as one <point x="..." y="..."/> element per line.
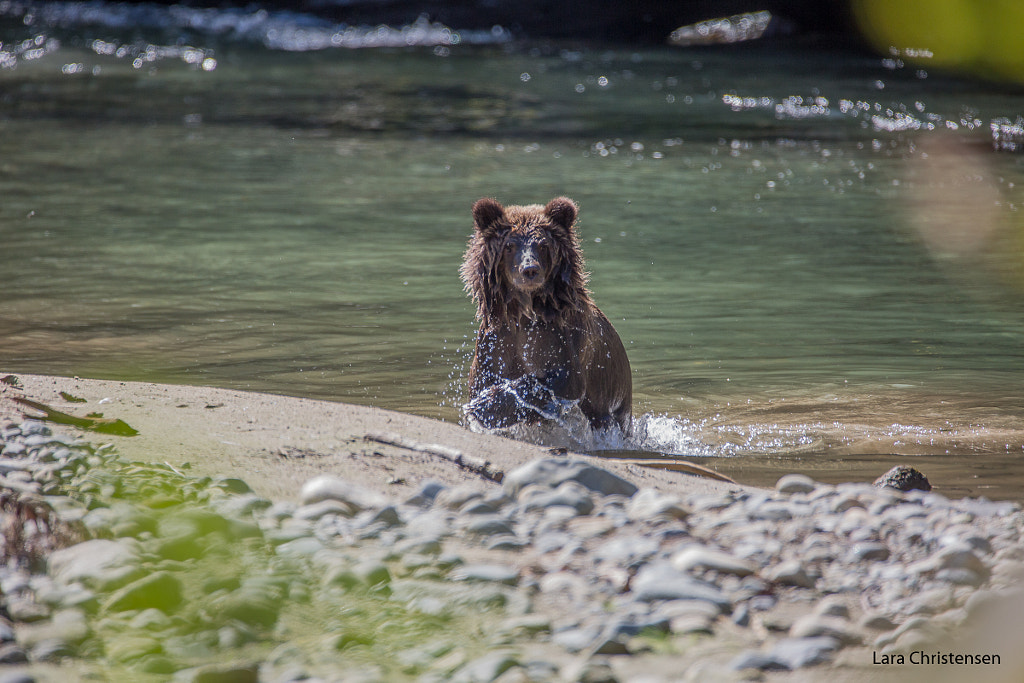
<point x="542" y="340"/>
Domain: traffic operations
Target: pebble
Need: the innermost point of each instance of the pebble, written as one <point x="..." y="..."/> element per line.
<point x="327" y="487"/>
<point x="99" y="563"/>
<point x="554" y="471"/>
<point x="565" y="554"/>
<point x="795" y="483"/>
<point x="486" y="572"/>
<point x="648" y="504"/>
<point x="661" y="581"/>
<point x="701" y="557"/>
<point x="789" y="573"/>
<point x="813" y="625"/>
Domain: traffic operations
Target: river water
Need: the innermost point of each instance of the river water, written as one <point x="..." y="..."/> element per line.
<point x="815" y="260"/>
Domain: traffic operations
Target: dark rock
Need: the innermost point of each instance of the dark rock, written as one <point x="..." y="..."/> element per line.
<point x="903" y="478"/>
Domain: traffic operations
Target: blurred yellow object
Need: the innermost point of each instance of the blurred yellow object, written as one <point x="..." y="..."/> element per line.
<point x="982" y="37"/>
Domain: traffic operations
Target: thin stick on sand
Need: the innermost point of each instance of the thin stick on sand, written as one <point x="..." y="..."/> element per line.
<point x="467" y="462"/>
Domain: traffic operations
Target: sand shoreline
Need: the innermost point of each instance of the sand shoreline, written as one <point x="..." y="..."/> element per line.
<point x="275" y="443"/>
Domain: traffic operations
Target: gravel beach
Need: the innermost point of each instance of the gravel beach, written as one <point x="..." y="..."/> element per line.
<point x="241" y="537"/>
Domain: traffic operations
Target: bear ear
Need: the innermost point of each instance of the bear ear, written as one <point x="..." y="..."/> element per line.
<point x="486" y="212"/>
<point x="562" y="211"/>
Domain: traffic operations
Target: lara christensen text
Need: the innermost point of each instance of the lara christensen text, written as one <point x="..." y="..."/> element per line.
<point x="935" y="658"/>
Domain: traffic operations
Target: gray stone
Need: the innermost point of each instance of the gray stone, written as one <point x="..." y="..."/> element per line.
<point x="814" y="625"/>
<point x="489" y="526"/>
<point x="426" y="493"/>
<point x="626" y="551"/>
<point x="789" y="573"/>
<point x="128" y="647"/>
<point x="457" y="497"/>
<point x="303" y="546"/>
<point x="387" y="516"/>
<point x="368" y="572"/>
<point x="67" y="626"/>
<point x="24" y="609"/>
<point x="795" y="483"/>
<point x="327" y="487"/>
<point x="701" y="557"/>
<point x="330" y="506"/>
<point x="17" y="677"/>
<point x="960" y="577"/>
<point x="486" y="572"/>
<point x="12" y="653"/>
<point x="661" y="581"/>
<point x="485" y="669"/>
<point x="593" y="670"/>
<point x="421" y="545"/>
<point x="796" y="653"/>
<point x="691" y="623"/>
<point x="869" y="551"/>
<point x="609" y="646"/>
<point x="876" y="622"/>
<point x="241" y="506"/>
<point x="119" y="520"/>
<point x="569" y="494"/>
<point x="100" y="564"/>
<point x="650" y="504"/>
<point x="772" y="511"/>
<point x="478" y="506"/>
<point x="958" y="556"/>
<point x="755" y="659"/>
<point x="575" y="639"/>
<point x="150" y="619"/>
<point x="554" y="471"/>
<point x="51" y="651"/>
<point x="832" y="606"/>
<point x="506" y="542"/>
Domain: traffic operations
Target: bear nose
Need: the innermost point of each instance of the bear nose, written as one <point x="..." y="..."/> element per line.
<point x="530" y="272"/>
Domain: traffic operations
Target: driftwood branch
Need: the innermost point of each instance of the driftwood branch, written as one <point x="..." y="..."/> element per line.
<point x="475" y="465"/>
<point x="677" y="465"/>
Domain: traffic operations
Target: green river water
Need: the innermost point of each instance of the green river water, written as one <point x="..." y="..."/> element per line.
<point x="815" y="260"/>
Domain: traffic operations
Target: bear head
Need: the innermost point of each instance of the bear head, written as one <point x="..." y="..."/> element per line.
<point x="525" y="261"/>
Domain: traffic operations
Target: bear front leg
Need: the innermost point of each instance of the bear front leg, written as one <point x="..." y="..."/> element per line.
<point x="509" y="402"/>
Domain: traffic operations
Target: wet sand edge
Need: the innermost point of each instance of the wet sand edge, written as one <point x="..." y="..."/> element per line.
<point x="276" y="443"/>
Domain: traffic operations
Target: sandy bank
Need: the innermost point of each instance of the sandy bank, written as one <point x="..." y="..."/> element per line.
<point x="275" y="443"/>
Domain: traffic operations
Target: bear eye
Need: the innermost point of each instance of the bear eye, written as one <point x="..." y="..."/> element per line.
<point x="509" y="247"/>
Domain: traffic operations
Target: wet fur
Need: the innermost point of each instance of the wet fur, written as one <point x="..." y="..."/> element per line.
<point x="550" y="341"/>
